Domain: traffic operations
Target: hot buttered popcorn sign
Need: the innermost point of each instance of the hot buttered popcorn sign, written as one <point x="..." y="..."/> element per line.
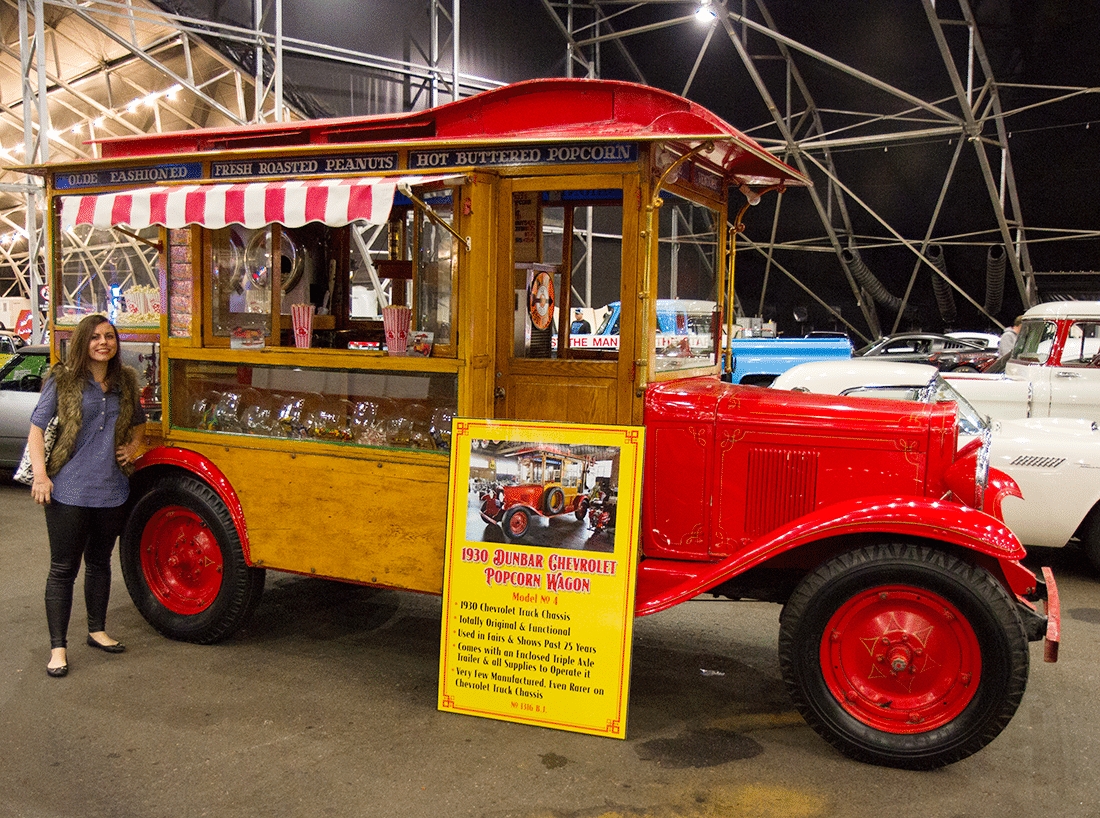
<point x="538" y="594"/>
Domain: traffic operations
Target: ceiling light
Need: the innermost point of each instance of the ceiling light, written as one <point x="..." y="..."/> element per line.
<point x="705" y="13"/>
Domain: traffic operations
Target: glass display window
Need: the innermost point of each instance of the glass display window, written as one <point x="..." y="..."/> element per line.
<point x="356" y="407"/>
<point x="348" y="274"/>
<point x="688" y="259"/>
<point x="412" y="261"/>
<point x="112" y="272"/>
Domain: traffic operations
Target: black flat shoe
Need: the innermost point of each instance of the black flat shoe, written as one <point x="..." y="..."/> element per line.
<point x="117" y="647"/>
<point x="57" y="672"/>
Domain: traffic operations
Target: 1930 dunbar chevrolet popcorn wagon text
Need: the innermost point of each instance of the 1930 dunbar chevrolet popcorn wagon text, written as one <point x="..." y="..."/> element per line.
<point x="906" y="610"/>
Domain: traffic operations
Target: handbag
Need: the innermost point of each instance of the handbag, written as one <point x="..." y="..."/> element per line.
<point x="24" y="473"/>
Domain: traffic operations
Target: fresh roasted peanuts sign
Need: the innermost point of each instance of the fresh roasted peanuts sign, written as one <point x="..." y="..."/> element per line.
<point x="538" y="596"/>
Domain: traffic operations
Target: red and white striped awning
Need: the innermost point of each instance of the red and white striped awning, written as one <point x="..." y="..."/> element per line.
<point x="291" y="203"/>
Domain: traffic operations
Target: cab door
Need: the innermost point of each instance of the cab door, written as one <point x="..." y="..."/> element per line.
<point x="562" y="248"/>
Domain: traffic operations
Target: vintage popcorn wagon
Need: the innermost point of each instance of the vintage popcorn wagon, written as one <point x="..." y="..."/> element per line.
<point x="482" y="225"/>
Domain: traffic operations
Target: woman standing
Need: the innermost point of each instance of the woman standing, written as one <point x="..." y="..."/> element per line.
<point x="101" y="428"/>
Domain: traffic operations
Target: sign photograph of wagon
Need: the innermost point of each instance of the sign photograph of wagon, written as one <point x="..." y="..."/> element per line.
<point x="544" y="494"/>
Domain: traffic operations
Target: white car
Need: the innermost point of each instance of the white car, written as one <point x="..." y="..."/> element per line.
<point x="1053" y="370"/>
<point x="1055" y="461"/>
<point x="21" y="376"/>
<point x="987" y="340"/>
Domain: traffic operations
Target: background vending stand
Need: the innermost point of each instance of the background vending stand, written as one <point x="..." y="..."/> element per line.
<point x="477" y="228"/>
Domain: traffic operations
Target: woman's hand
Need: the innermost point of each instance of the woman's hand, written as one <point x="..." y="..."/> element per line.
<point x="41" y="489"/>
<point x="127" y="453"/>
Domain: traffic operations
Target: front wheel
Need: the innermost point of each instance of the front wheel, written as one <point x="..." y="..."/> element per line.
<point x="515" y="523"/>
<point x="1091" y="540"/>
<point x="183" y="562"/>
<point x="903" y="656"/>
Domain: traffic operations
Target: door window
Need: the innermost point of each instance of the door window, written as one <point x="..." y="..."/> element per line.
<point x="1082" y="344"/>
<point x="567" y="255"/>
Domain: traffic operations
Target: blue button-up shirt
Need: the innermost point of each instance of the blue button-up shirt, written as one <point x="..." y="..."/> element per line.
<point x="92" y="477"/>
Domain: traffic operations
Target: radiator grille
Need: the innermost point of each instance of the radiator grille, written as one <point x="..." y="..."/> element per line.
<point x="1036" y="462"/>
<point x="782" y="485"/>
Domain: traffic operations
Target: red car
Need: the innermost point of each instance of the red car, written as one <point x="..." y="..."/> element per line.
<point x="550" y="482"/>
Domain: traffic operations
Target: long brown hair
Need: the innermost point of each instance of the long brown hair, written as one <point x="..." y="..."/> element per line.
<point x="77" y="361"/>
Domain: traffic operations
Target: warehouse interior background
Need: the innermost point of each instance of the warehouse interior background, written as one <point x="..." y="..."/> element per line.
<point x="954" y="145"/>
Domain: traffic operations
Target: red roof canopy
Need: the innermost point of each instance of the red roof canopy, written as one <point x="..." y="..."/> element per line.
<point x="561" y="110"/>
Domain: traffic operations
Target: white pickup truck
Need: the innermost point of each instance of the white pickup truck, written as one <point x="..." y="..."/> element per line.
<point x="1053" y="371"/>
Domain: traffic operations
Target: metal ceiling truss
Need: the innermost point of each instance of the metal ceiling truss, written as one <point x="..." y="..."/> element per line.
<point x="972" y="116"/>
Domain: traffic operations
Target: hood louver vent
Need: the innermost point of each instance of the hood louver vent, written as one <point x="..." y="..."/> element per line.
<point x="782" y="486"/>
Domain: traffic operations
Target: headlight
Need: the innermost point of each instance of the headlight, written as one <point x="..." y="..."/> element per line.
<point x="962" y="475"/>
<point x="981" y="465"/>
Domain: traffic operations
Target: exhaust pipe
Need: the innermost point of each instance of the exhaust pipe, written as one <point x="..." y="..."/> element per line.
<point x="945" y="296"/>
<point x="995" y="262"/>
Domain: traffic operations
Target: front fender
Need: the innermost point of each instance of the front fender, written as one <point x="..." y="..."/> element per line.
<point x="203" y="468"/>
<point x="664" y="583"/>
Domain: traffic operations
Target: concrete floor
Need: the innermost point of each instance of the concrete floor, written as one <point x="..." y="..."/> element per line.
<point x="326" y="706"/>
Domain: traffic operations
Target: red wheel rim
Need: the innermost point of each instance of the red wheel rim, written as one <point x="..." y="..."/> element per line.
<point x="901" y="659"/>
<point x="181" y="560"/>
<point x="517" y="524"/>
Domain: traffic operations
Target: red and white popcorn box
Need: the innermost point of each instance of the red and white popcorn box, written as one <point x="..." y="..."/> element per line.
<point x="396" y="320"/>
<point x="301" y="315"/>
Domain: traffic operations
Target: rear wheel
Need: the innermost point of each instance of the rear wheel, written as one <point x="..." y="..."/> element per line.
<point x="903" y="656"/>
<point x="581" y="507"/>
<point x="183" y="562"/>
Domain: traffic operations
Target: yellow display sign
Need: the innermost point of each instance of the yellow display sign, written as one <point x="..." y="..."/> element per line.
<point x="538" y="593"/>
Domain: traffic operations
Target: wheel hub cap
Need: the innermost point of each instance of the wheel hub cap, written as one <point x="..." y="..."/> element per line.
<point x="900" y="659"/>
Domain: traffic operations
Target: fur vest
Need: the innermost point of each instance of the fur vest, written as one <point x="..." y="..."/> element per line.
<point x="70" y="416"/>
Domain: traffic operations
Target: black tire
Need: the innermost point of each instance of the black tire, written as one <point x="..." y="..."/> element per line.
<point x="183" y="562"/>
<point x="581" y="508"/>
<point x="515" y="523"/>
<point x="1091" y="539"/>
<point x="959" y="623"/>
<point x="554" y="502"/>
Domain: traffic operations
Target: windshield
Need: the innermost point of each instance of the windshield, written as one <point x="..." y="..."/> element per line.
<point x="604" y="329"/>
<point x="971" y="421"/>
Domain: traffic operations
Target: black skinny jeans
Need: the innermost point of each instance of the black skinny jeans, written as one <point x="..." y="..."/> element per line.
<point x="75" y="532"/>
